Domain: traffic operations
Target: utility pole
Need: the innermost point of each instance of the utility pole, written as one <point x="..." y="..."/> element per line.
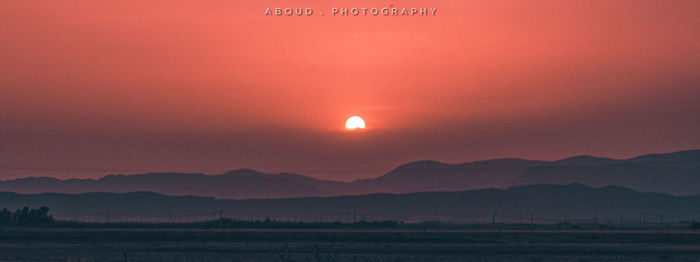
<point x="532" y="218"/>
<point x="493" y="220"/>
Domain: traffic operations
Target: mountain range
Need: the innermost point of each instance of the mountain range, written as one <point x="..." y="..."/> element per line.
<point x="673" y="173"/>
<point x="523" y="204"/>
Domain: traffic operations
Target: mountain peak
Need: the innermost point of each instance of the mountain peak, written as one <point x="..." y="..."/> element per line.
<point x="420" y="165"/>
<point x="585" y="160"/>
<point x="242" y="172"/>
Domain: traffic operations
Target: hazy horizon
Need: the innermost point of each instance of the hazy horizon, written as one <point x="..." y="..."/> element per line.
<point x="100" y="173"/>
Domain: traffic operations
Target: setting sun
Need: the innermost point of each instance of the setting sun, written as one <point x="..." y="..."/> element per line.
<point x="355" y="122"/>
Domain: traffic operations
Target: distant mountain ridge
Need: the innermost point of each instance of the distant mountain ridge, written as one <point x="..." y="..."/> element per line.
<point x="673" y="173"/>
<point x="523" y="204"/>
<point x="242" y="183"/>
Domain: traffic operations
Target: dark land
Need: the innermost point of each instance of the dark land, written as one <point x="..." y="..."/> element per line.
<point x="535" y="204"/>
<point x="583" y="208"/>
<point x="611" y="234"/>
<point x="541" y="243"/>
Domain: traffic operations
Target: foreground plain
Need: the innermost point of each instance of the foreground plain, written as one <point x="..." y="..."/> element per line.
<point x="346" y="245"/>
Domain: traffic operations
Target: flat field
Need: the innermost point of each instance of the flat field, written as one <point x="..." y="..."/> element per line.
<point x="346" y="245"/>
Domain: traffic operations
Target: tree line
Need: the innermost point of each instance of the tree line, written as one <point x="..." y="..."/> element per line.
<point x="26" y="217"/>
<point x="40" y="217"/>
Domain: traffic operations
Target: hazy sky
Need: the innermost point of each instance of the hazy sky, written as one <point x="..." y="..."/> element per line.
<point x="95" y="87"/>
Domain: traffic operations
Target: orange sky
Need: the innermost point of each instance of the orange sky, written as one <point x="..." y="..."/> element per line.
<point x="95" y="87"/>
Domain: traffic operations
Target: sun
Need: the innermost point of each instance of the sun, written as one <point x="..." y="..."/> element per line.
<point x="354" y="123"/>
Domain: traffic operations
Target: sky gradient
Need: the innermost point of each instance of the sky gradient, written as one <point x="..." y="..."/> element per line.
<point x="89" y="88"/>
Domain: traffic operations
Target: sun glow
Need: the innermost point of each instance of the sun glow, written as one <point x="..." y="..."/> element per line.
<point x="354" y="123"/>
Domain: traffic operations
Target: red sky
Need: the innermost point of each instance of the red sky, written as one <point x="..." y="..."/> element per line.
<point x="95" y="87"/>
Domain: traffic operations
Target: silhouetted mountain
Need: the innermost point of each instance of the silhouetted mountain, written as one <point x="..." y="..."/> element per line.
<point x="424" y="176"/>
<point x="672" y="180"/>
<point x="674" y="173"/>
<point x="541" y="203"/>
<point x="243" y="183"/>
<point x="690" y="158"/>
<point x="585" y="160"/>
